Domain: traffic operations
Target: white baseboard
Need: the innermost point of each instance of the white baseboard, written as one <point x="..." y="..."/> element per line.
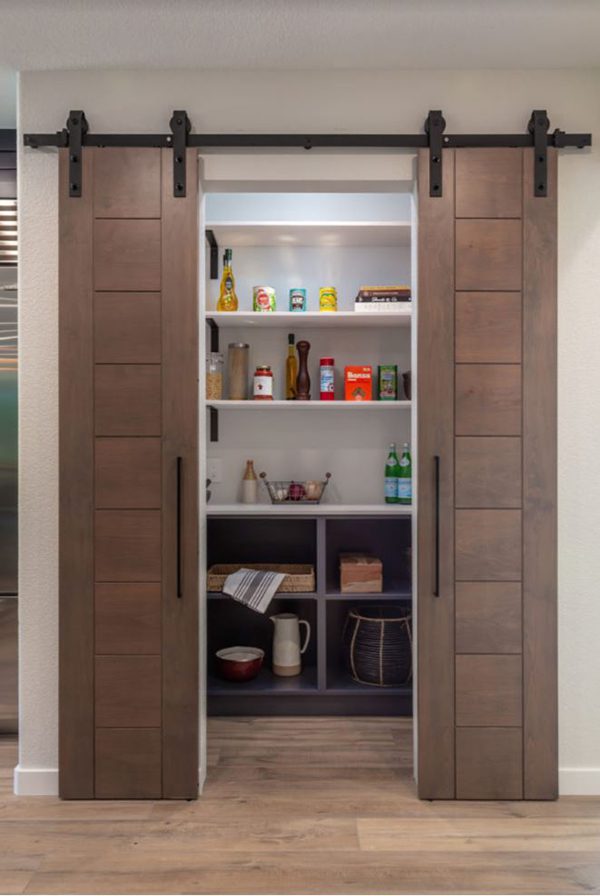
<point x="35" y="781"/>
<point x="44" y="781"/>
<point x="579" y="782"/>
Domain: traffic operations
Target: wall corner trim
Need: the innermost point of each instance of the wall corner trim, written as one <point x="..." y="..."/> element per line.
<point x="579" y="781"/>
<point x="35" y="781"/>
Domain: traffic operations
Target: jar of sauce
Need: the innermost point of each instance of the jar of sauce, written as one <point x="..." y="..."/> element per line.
<point x="326" y="379"/>
<point x="263" y="383"/>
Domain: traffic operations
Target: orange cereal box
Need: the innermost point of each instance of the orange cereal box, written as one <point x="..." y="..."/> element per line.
<point x="358" y="383"/>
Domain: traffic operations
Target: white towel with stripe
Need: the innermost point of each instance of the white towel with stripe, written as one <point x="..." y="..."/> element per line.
<point x="252" y="587"/>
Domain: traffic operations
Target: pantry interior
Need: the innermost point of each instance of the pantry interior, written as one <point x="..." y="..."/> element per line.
<point x="307" y="223"/>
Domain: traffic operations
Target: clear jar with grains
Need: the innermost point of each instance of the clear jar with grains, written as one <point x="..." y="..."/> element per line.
<point x="214" y="376"/>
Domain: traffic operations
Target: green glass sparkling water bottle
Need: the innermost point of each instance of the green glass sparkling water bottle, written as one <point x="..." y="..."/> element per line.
<point x="405" y="477"/>
<point x="392" y="474"/>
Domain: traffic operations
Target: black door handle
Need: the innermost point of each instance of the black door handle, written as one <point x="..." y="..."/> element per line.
<point x="178" y="526"/>
<point x="436" y="524"/>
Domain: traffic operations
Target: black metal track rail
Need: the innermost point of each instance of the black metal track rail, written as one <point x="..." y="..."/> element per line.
<point x="557" y="138"/>
<point x="76" y="136"/>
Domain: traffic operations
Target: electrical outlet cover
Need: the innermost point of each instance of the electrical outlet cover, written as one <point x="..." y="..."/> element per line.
<point x="214" y="469"/>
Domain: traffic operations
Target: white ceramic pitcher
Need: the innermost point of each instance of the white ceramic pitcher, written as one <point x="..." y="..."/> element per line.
<point x="286" y="643"/>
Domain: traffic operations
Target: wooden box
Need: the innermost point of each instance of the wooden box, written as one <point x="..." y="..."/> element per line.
<point x="360" y="574"/>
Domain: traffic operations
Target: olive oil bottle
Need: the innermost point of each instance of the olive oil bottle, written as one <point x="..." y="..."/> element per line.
<point x="291" y="369"/>
<point x="227" y="298"/>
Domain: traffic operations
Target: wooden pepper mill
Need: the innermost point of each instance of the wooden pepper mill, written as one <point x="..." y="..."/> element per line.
<point x="303" y="380"/>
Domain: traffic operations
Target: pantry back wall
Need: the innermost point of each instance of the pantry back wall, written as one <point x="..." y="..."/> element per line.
<point x="341" y="101"/>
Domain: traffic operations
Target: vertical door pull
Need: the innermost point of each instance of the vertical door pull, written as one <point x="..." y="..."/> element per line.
<point x="178" y="524"/>
<point x="436" y="523"/>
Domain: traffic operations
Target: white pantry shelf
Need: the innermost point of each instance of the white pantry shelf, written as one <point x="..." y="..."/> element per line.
<point x="236" y="234"/>
<point x="297" y="406"/>
<point x="366" y="510"/>
<point x="312" y="319"/>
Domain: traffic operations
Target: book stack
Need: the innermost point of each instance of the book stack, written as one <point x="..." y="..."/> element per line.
<point x="382" y="298"/>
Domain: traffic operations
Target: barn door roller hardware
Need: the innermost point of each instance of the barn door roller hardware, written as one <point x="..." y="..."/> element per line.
<point x="77" y="128"/>
<point x="76" y="136"/>
<point x="181" y="126"/>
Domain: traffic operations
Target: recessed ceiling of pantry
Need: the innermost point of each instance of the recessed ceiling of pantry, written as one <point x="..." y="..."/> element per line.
<point x="309" y="219"/>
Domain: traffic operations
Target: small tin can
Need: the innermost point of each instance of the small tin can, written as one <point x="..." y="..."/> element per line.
<point x="297" y="300"/>
<point x="387" y="382"/>
<point x="328" y="298"/>
<point x="263" y="298"/>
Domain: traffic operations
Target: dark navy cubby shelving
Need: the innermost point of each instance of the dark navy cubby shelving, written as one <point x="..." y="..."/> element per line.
<point x="324" y="687"/>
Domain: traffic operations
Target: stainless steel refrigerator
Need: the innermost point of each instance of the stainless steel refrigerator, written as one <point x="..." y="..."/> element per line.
<point x="8" y="500"/>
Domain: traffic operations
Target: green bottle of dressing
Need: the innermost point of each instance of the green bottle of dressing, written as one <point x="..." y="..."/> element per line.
<point x="392" y="475"/>
<point x="405" y="477"/>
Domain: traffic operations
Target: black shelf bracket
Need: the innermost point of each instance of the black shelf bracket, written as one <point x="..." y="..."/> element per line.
<point x="180" y="126"/>
<point x="77" y="128"/>
<point x="434" y="128"/>
<point x="538" y="127"/>
<point x="214" y="424"/>
<point x="214" y="334"/>
<point x="214" y="254"/>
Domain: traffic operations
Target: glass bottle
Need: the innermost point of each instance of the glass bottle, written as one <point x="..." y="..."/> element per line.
<point x="227" y="298"/>
<point x="291" y="369"/>
<point x="405" y="477"/>
<point x="392" y="474"/>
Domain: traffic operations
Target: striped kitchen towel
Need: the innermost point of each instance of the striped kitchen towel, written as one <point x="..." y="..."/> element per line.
<point x="252" y="587"/>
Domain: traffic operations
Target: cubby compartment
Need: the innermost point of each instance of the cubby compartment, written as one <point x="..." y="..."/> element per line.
<point x="261" y="540"/>
<point x="396" y="699"/>
<point x="387" y="539"/>
<point x="231" y="624"/>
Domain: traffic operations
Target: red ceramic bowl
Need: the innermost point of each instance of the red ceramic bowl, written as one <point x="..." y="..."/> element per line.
<point x="239" y="663"/>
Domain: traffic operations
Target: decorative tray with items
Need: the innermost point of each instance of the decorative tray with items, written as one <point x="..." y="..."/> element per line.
<point x="292" y="492"/>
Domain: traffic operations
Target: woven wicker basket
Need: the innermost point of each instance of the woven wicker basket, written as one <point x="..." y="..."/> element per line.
<point x="299" y="577"/>
<point x="378" y="643"/>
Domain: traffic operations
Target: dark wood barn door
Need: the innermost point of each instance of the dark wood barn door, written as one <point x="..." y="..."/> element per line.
<point x="487" y="655"/>
<point x="128" y="527"/>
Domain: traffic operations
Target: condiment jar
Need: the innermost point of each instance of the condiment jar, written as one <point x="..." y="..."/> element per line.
<point x="327" y="379"/>
<point x="263" y="383"/>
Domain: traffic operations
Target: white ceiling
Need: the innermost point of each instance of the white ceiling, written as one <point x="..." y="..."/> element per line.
<point x="299" y="34"/>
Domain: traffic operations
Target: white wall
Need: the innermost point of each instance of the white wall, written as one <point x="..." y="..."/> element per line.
<point x="385" y="101"/>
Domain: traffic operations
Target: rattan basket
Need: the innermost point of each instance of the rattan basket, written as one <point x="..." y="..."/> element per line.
<point x="378" y="643"/>
<point x="299" y="577"/>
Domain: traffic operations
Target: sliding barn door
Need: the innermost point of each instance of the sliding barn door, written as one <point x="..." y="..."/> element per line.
<point x="128" y="478"/>
<point x="487" y="655"/>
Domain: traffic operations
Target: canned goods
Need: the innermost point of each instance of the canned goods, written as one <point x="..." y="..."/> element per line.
<point x="327" y="379"/>
<point x="297" y="300"/>
<point x="263" y="298"/>
<point x="328" y="298"/>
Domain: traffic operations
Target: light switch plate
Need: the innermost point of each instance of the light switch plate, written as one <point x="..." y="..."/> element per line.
<point x="214" y="469"/>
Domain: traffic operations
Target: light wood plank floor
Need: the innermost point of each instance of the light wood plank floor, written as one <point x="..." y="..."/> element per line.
<point x="298" y="806"/>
